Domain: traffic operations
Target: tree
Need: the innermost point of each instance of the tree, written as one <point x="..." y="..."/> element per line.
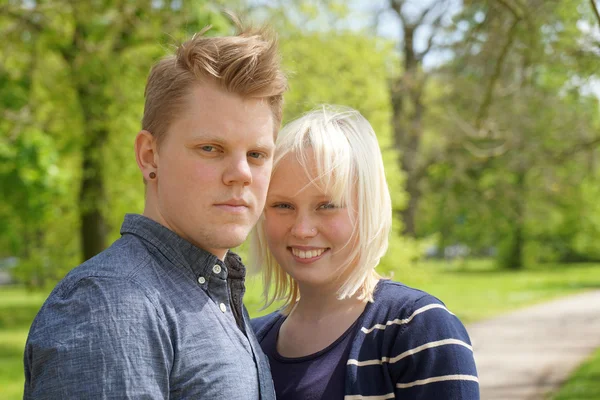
<point x="532" y="117"/>
<point x="76" y="68"/>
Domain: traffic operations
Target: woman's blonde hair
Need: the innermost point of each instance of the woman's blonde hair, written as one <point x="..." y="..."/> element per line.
<point x="340" y="144"/>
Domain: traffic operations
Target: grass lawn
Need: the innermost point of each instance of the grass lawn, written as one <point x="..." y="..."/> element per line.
<point x="584" y="384"/>
<point x="476" y="289"/>
<point x="17" y="309"/>
<point x="473" y="290"/>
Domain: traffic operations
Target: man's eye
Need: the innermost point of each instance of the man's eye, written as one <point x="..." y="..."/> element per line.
<point x="256" y="154"/>
<point x="208" y="148"/>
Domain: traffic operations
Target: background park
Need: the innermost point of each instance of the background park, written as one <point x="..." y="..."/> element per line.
<point x="487" y="111"/>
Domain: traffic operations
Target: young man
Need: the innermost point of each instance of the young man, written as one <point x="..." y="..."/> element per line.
<point x="159" y="314"/>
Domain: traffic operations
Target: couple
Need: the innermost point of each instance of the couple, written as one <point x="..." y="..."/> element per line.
<point x="159" y="314"/>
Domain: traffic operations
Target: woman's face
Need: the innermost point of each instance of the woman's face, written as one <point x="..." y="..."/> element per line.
<point x="309" y="236"/>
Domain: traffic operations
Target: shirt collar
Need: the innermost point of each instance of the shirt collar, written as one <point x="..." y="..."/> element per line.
<point x="179" y="250"/>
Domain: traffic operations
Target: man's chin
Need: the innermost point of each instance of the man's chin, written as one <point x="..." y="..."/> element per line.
<point x="231" y="237"/>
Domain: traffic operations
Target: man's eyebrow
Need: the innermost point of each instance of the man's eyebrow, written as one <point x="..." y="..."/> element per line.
<point x="266" y="144"/>
<point x="208" y="137"/>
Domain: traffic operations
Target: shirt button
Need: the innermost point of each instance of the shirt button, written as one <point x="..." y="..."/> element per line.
<point x="217" y="269"/>
<point x="201" y="280"/>
<point x="222" y="307"/>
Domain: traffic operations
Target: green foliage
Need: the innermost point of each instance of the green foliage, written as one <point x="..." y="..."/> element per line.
<point x="71" y="73"/>
<point x="515" y="162"/>
<point x="73" y="77"/>
<point x="584" y="383"/>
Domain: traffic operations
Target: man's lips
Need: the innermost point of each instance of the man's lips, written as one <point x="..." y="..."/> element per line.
<point x="235" y="206"/>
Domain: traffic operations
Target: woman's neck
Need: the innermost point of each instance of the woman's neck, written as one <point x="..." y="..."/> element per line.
<point x="316" y="304"/>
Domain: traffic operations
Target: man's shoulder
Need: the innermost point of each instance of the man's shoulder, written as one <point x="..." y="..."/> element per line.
<point x="115" y="273"/>
<point x="124" y="259"/>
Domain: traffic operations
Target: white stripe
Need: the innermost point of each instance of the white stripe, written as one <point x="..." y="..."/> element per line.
<point x="360" y="397"/>
<point x="409" y="352"/>
<point x="437" y="379"/>
<point x="406" y="320"/>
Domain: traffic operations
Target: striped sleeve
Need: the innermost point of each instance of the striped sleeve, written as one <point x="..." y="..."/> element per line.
<point x="426" y="354"/>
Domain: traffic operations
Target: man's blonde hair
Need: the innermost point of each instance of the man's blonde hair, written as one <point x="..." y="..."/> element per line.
<point x="247" y="64"/>
<point x="340" y="144"/>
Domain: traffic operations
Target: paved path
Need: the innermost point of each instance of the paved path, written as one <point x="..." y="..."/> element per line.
<point x="525" y="354"/>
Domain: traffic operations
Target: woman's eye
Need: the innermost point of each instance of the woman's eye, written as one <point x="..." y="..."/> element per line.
<point x="256" y="154"/>
<point x="282" y="206"/>
<point x="327" y="206"/>
<point x="208" y="148"/>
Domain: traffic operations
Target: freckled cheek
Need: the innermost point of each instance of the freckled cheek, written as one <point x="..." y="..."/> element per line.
<point x="275" y="228"/>
<point x="339" y="229"/>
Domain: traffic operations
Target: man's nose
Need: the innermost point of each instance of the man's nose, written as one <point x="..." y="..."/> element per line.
<point x="238" y="172"/>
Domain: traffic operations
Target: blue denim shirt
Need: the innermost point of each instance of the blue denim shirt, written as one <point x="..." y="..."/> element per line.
<point x="152" y="317"/>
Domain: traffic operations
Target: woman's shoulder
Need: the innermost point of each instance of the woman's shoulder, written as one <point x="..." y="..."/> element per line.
<point x="399" y="296"/>
<point x="261" y="325"/>
<point x="398" y="304"/>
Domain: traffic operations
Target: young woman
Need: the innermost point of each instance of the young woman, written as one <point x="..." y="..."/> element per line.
<point x="344" y="332"/>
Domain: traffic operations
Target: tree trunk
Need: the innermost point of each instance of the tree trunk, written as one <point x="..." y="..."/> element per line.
<point x="92" y="193"/>
<point x="515" y="252"/>
<point x="91" y="197"/>
<point x="407" y="124"/>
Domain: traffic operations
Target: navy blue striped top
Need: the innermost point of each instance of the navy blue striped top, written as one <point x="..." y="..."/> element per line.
<point x="316" y="376"/>
<point x="407" y="345"/>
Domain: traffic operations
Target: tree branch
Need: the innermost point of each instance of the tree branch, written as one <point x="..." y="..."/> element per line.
<point x="27" y="20"/>
<point x="397" y="5"/>
<point x="511" y="8"/>
<point x="576" y="148"/>
<point x="435" y="25"/>
<point x="426" y="12"/>
<point x="595" y="9"/>
<point x="487" y="101"/>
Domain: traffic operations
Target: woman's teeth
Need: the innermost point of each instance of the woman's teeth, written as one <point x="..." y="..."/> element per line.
<point x="307" y="254"/>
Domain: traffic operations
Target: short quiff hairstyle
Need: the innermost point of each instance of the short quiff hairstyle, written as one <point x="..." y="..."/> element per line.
<point x="247" y="64"/>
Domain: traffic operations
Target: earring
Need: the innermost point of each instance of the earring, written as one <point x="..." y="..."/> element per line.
<point x="152" y="175"/>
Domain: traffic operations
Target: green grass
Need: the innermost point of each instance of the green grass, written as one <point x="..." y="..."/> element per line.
<point x="474" y="290"/>
<point x="584" y="384"/>
<point x="17" y="310"/>
<point x="12" y="342"/>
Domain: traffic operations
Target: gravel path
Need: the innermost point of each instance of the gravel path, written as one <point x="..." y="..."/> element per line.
<point x="526" y="354"/>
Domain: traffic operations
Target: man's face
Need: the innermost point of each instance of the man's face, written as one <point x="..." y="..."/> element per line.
<point x="213" y="169"/>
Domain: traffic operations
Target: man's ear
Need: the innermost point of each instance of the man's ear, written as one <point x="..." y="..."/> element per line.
<point x="146" y="154"/>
